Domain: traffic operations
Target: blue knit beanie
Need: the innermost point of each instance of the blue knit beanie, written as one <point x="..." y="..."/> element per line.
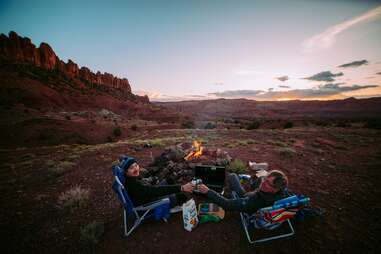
<point x="126" y="162"/>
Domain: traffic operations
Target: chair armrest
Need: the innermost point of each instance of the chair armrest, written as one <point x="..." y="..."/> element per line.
<point x="152" y="204"/>
<point x="235" y="195"/>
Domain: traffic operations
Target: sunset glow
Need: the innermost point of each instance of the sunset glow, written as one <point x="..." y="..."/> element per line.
<point x="195" y="50"/>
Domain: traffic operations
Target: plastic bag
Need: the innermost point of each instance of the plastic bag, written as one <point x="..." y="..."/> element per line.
<point x="190" y="215"/>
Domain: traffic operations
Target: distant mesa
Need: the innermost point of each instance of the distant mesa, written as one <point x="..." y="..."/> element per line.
<point x="21" y="50"/>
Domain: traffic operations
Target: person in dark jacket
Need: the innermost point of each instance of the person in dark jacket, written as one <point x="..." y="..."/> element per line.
<point x="142" y="193"/>
<point x="270" y="189"/>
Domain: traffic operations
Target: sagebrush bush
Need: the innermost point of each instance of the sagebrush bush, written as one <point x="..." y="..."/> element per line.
<point x="237" y="166"/>
<point x="189" y="124"/>
<point x="210" y="125"/>
<point x="59" y="168"/>
<point x="254" y="124"/>
<point x="76" y="197"/>
<point x="288" y="125"/>
<point x="91" y="234"/>
<point x="117" y="132"/>
<point x="287" y="152"/>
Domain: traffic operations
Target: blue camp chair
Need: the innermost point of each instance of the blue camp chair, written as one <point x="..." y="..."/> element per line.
<point x="270" y="218"/>
<point x="159" y="209"/>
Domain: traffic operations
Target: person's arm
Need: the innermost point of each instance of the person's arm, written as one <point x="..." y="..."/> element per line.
<point x="159" y="190"/>
<point x="162" y="190"/>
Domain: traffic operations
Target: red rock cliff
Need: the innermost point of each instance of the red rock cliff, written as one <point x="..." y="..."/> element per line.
<point x="21" y="50"/>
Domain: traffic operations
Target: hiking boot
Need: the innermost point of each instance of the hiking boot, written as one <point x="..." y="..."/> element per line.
<point x="176" y="209"/>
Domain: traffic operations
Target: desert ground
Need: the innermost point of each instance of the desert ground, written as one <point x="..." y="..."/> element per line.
<point x="338" y="168"/>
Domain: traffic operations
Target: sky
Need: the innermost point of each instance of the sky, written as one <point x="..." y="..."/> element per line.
<point x="203" y="49"/>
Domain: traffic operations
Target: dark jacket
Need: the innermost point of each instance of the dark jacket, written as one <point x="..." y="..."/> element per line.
<point x="142" y="193"/>
<point x="249" y="204"/>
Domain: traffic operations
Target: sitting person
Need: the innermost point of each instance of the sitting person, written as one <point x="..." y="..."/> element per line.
<point x="270" y="189"/>
<point x="142" y="193"/>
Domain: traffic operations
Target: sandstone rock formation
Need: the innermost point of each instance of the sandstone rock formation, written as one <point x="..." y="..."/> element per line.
<point x="21" y="50"/>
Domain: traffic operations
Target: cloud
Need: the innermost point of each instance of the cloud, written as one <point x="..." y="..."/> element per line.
<point x="283" y="86"/>
<point x="354" y="64"/>
<point x="328" y="37"/>
<point x="237" y="93"/>
<point x="321" y="91"/>
<point x="155" y="96"/>
<point x="326" y="76"/>
<point x="283" y="78"/>
<point x="218" y="83"/>
<point x="246" y="72"/>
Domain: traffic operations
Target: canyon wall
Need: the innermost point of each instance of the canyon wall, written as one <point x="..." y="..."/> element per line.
<point x="21" y="50"/>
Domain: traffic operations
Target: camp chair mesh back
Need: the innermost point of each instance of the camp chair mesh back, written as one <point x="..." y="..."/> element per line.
<point x="159" y="209"/>
<point x="270" y="218"/>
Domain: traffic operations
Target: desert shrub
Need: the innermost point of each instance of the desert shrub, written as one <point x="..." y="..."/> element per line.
<point x="277" y="143"/>
<point x="59" y="168"/>
<point x="210" y="125"/>
<point x="254" y="124"/>
<point x="250" y="141"/>
<point x="342" y="124"/>
<point x="117" y="132"/>
<point x="242" y="143"/>
<point x="237" y="166"/>
<point x="321" y="123"/>
<point x="287" y="152"/>
<point x="134" y="127"/>
<point x="230" y="144"/>
<point x="76" y="197"/>
<point x="189" y="124"/>
<point x="157" y="142"/>
<point x="288" y="125"/>
<point x="91" y="234"/>
<point x="373" y="124"/>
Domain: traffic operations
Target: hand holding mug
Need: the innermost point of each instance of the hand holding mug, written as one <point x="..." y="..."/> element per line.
<point x="187" y="187"/>
<point x="203" y="188"/>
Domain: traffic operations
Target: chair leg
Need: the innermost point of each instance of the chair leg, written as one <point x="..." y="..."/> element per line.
<point x="292" y="232"/>
<point x="253" y="241"/>
<point x="138" y="220"/>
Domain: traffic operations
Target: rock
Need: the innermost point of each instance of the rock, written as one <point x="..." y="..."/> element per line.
<point x="72" y="70"/>
<point x="258" y="166"/>
<point x="21" y="50"/>
<point x="48" y="57"/>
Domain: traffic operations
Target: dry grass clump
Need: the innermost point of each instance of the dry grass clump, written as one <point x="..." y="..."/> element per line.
<point x="91" y="234"/>
<point x="287" y="152"/>
<point x="74" y="198"/>
<point x="237" y="166"/>
<point x="59" y="168"/>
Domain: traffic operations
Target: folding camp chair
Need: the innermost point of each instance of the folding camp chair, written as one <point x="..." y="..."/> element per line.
<point x="270" y="218"/>
<point x="159" y="209"/>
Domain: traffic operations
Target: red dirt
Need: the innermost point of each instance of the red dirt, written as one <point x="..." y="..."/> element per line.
<point x="340" y="175"/>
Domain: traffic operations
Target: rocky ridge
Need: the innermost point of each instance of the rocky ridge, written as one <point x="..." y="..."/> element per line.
<point x="21" y="50"/>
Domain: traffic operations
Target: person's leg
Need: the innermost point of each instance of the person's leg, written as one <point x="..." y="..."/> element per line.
<point x="235" y="185"/>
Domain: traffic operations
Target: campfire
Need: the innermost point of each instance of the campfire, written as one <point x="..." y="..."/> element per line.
<point x="196" y="151"/>
<point x="177" y="163"/>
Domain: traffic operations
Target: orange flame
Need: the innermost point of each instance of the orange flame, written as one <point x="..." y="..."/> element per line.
<point x="197" y="151"/>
